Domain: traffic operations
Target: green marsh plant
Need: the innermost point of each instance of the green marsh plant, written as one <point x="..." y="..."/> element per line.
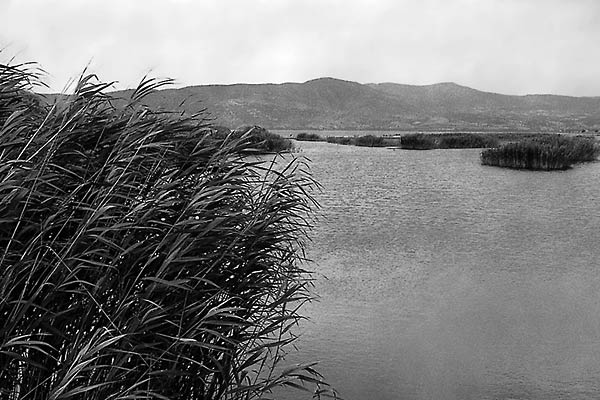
<point x="140" y="256"/>
<point x="309" y="137"/>
<point x="547" y="152"/>
<point x="421" y="141"/>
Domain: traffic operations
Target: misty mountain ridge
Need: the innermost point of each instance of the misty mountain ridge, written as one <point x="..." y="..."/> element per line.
<point x="329" y="103"/>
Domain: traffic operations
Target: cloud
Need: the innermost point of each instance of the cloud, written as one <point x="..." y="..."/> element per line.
<point x="499" y="45"/>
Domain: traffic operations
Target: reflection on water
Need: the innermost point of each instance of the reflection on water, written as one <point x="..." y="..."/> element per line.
<point x="443" y="279"/>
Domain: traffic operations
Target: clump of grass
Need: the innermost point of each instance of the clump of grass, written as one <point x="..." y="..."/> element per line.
<point x="309" y="137"/>
<point x="549" y="152"/>
<point x="142" y="257"/>
<point x="420" y="141"/>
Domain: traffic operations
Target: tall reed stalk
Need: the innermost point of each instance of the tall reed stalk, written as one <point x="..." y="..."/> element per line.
<point x="140" y="256"/>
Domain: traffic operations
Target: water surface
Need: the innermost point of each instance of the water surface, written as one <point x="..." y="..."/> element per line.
<point x="440" y="278"/>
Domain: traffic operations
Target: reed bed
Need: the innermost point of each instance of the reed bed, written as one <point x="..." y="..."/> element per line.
<point x="140" y="256"/>
<point x="370" y="141"/>
<point x="548" y="152"/>
<point x="417" y="141"/>
<point x="363" y="141"/>
<point x="420" y="141"/>
<point x="262" y="140"/>
<point x="309" y="137"/>
<point x="343" y="140"/>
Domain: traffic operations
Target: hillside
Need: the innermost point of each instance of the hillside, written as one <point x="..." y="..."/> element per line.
<point x="460" y="104"/>
<point x="328" y="103"/>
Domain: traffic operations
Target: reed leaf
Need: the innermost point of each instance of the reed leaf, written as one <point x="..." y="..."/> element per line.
<point x="141" y="256"/>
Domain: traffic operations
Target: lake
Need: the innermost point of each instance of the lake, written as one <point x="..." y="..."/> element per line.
<point x="440" y="278"/>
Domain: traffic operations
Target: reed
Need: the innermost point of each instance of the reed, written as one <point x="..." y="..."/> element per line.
<point x="363" y="141"/>
<point x="343" y="140"/>
<point x="548" y="152"/>
<point x="309" y="137"/>
<point x="420" y="141"/>
<point x="369" y="141"/>
<point x="263" y="141"/>
<point x="467" y="141"/>
<point x="140" y="256"/>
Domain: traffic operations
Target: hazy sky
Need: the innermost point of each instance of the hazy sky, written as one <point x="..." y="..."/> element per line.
<point x="506" y="46"/>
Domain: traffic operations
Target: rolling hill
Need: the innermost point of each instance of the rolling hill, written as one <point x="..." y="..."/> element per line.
<point x="329" y="103"/>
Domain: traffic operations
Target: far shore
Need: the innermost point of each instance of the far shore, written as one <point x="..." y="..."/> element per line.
<point x="501" y="134"/>
<point x="425" y="140"/>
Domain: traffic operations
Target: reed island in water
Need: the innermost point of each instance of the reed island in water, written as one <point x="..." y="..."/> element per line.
<point x="519" y="151"/>
<point x="548" y="152"/>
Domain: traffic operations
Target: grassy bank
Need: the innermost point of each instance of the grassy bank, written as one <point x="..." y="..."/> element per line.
<point x="141" y="255"/>
<point x="548" y="152"/>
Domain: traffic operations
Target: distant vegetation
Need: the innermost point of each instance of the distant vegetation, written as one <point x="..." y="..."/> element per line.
<point x="142" y="254"/>
<point x="344" y="140"/>
<point x="514" y="150"/>
<point x="261" y="140"/>
<point x="309" y="137"/>
<point x="420" y="141"/>
<point x="548" y="152"/>
<point x="467" y="140"/>
<point x="370" y="141"/>
<point x="363" y="141"/>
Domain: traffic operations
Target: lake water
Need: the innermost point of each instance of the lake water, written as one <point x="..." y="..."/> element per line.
<point x="440" y="278"/>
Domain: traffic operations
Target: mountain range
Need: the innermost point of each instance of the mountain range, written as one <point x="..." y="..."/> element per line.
<point x="328" y="103"/>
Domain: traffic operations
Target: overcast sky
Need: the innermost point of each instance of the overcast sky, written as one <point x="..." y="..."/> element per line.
<point x="505" y="46"/>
